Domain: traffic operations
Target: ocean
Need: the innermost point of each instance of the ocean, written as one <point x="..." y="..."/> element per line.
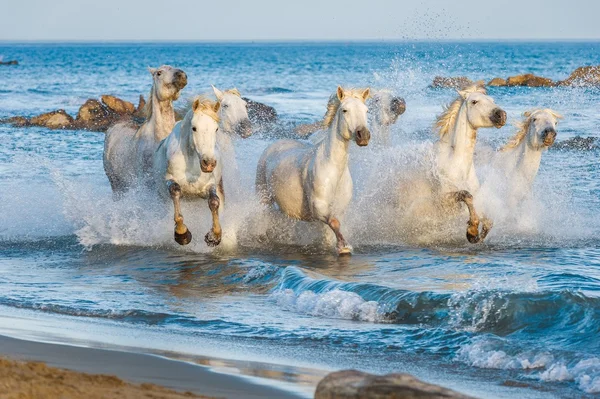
<point x="516" y="316"/>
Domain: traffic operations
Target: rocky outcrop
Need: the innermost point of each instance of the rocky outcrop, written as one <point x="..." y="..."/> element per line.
<point x="12" y="62"/>
<point x="529" y="80"/>
<point x="54" y="120"/>
<point x="93" y="115"/>
<point x="260" y="113"/>
<point x="583" y="76"/>
<point x="352" y="384"/>
<point x="497" y="82"/>
<point x="453" y="82"/>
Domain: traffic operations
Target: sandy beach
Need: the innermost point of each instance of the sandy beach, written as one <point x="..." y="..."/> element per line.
<point x="34" y="370"/>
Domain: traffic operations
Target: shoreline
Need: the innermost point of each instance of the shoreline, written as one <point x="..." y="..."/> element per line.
<point x="138" y="368"/>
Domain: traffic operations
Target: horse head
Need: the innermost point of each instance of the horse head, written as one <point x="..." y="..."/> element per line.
<point x="386" y="107"/>
<point x="541" y="127"/>
<point x="168" y="82"/>
<point x="481" y="109"/>
<point x="204" y="125"/>
<point x="233" y="113"/>
<point x="352" y="115"/>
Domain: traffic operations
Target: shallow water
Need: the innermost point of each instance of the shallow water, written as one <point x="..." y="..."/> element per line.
<point x="521" y="311"/>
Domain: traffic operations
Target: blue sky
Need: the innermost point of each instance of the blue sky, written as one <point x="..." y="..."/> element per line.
<point x="297" y="20"/>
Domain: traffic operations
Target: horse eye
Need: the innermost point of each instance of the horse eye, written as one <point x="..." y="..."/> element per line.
<point x="225" y="105"/>
<point x="534" y="119"/>
<point x="474" y="102"/>
<point x="344" y="110"/>
<point x="194" y="128"/>
<point x="158" y="73"/>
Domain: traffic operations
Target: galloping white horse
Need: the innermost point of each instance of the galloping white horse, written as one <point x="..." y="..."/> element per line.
<point x="186" y="166"/>
<point x="520" y="158"/>
<point x="128" y="153"/>
<point x="437" y="197"/>
<point x="384" y="108"/>
<point x="313" y="183"/>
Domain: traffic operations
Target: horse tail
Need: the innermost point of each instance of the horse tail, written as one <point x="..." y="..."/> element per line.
<point x="262" y="188"/>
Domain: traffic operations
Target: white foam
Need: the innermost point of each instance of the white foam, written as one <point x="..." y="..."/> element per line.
<point x="332" y="304"/>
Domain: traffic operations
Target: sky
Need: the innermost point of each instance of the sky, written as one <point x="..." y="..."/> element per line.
<point x="226" y="20"/>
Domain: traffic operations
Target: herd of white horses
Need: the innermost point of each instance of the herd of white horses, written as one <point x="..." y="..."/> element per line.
<point x="310" y="180"/>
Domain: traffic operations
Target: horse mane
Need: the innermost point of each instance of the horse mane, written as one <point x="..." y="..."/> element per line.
<point x="334" y="103"/>
<point x="147" y="110"/>
<point x="523" y="128"/>
<point x="206" y="106"/>
<point x="446" y="119"/>
<point x="234" y="91"/>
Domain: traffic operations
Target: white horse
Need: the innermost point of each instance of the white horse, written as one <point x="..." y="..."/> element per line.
<point x="437" y="197"/>
<point x="519" y="160"/>
<point x="128" y="153"/>
<point x="384" y="110"/>
<point x="313" y="183"/>
<point x="186" y="166"/>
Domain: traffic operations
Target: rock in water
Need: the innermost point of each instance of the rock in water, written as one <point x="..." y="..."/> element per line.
<point x="93" y="116"/>
<point x="352" y="384"/>
<point x="458" y="82"/>
<point x="583" y="76"/>
<point x="118" y="106"/>
<point x="58" y="119"/>
<point x="529" y="80"/>
<point x="497" y="82"/>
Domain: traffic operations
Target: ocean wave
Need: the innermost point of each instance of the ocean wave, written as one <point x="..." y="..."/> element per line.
<point x="560" y="367"/>
<point x="545" y="315"/>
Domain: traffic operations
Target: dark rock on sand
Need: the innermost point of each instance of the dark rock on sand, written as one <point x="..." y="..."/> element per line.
<point x="578" y="143"/>
<point x="497" y="82"/>
<point x="583" y="76"/>
<point x="454" y="83"/>
<point x="352" y="384"/>
<point x="529" y="80"/>
<point x="260" y="113"/>
<point x="12" y="62"/>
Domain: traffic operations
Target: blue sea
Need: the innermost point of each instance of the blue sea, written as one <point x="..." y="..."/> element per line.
<point x="517" y="316"/>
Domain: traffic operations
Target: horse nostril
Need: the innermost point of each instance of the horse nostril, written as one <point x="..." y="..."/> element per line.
<point x="498" y="117"/>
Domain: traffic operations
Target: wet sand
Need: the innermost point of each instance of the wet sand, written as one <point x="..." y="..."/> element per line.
<point x="93" y="374"/>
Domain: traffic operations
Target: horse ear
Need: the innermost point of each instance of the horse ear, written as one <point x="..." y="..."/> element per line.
<point x="151" y="70"/>
<point x="217" y="106"/>
<point x="340" y="93"/>
<point x="196" y="104"/>
<point x="218" y="93"/>
<point x="527" y="114"/>
<point x="366" y="94"/>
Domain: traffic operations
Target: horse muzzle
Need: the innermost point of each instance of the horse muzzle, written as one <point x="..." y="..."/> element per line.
<point x="362" y="136"/>
<point x="498" y="117"/>
<point x="397" y="106"/>
<point x="179" y="79"/>
<point x="208" y="165"/>
<point x="548" y="137"/>
<point x="244" y="129"/>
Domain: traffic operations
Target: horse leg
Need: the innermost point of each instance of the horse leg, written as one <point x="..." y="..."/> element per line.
<point x="473" y="234"/>
<point x="342" y="246"/>
<point x="213" y="237"/>
<point x="182" y="235"/>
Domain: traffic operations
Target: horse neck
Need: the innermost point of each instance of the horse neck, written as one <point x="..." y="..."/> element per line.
<point x="162" y="118"/>
<point x="525" y="160"/>
<point x="459" y="143"/>
<point x="334" y="148"/>
<point x="186" y="139"/>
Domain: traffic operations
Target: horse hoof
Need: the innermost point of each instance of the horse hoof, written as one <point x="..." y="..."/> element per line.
<point x="473" y="233"/>
<point x="345" y="250"/>
<point x="211" y="239"/>
<point x="183" y="239"/>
